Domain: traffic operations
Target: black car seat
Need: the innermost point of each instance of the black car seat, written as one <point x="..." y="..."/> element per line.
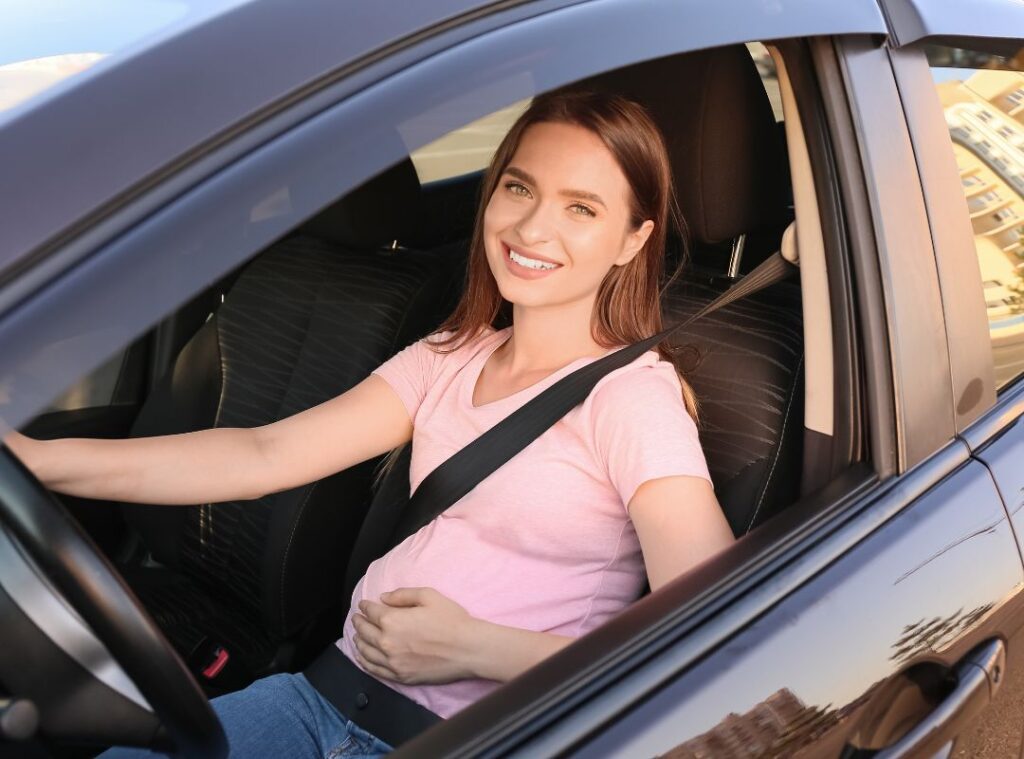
<point x="250" y="584"/>
<point x="730" y="167"/>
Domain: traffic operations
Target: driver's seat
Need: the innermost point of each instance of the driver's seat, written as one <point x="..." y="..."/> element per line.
<point x="246" y="588"/>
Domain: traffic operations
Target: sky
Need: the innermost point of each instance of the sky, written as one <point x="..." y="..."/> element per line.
<point x="46" y="28"/>
<point x="45" y="42"/>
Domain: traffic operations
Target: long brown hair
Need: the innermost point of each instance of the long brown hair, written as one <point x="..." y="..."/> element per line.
<point x="628" y="304"/>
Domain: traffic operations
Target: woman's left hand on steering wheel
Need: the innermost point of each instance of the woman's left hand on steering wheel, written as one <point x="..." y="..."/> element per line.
<point x="416" y="636"/>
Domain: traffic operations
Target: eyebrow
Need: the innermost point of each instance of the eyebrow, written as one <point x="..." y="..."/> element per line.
<point x="517" y="172"/>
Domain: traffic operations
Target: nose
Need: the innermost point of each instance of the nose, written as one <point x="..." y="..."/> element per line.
<point x="536" y="225"/>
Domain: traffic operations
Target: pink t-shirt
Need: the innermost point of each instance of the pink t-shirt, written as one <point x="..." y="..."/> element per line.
<point x="544" y="543"/>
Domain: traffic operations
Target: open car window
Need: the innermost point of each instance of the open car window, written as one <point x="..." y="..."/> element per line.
<point x="407" y="277"/>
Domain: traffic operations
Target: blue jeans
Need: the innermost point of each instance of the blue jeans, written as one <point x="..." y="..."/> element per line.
<point x="282" y="716"/>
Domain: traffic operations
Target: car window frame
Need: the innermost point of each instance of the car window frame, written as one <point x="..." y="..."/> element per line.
<point x="66" y="210"/>
<point x="982" y="410"/>
<point x="915" y="330"/>
<point x="912" y="21"/>
<point x="966" y="322"/>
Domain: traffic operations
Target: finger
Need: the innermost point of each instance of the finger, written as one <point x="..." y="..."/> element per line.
<point x="371" y="653"/>
<point x="372" y="611"/>
<point x="366" y="630"/>
<point x="403" y="597"/>
<point x="375" y="669"/>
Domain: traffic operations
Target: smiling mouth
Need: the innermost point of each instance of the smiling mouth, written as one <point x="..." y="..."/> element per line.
<point x="543" y="265"/>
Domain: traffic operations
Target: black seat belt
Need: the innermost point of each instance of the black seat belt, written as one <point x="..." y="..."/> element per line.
<point x="461" y="472"/>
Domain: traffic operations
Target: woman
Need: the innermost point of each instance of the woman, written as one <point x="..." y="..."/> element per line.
<point x="568" y="250"/>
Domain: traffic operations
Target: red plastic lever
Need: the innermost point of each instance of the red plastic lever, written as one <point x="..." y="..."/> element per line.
<point x="219" y="660"/>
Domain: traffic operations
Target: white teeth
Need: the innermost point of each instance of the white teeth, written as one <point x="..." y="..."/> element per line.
<point x="529" y="262"/>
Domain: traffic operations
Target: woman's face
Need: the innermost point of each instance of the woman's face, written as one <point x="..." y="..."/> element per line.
<point x="562" y="199"/>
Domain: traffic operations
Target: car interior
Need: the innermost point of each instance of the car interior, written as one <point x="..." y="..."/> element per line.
<point x="249" y="588"/>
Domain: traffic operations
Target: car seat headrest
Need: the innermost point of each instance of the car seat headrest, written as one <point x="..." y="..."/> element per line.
<point x="728" y="158"/>
<point x="382" y="209"/>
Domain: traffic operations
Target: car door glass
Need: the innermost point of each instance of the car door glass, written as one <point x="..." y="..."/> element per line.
<point x="982" y="96"/>
<point x="94" y="389"/>
<point x="118" y="381"/>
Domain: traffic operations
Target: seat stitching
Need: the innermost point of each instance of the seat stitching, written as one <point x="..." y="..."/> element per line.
<point x="291" y="539"/>
<point x="310" y="316"/>
<point x="405" y="311"/>
<point x="206" y="509"/>
<point x="778" y="450"/>
<point x="302" y="509"/>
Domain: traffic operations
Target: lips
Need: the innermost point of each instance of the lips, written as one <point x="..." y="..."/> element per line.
<point x="527" y="253"/>
<point x="525" y="272"/>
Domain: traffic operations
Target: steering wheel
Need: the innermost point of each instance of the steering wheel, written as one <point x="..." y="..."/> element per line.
<point x="89" y="583"/>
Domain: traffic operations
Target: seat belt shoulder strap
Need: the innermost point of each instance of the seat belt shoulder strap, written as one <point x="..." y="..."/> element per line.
<point x="461" y="472"/>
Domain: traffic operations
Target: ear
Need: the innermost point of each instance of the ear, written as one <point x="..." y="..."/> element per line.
<point x="635" y="242"/>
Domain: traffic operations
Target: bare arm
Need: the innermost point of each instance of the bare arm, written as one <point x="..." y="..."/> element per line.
<point x="680" y="524"/>
<point x="224" y="463"/>
<point x="498" y="652"/>
<point x="193" y="467"/>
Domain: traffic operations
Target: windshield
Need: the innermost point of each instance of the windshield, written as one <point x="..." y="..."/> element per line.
<point x="44" y="42"/>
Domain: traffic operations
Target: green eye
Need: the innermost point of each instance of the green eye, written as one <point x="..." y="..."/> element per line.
<point x="587" y="211"/>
